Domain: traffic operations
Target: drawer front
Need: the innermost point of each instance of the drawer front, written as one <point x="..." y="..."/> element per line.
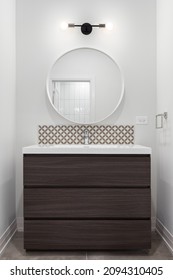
<point x="86" y="203"/>
<point x="87" y="170"/>
<point x="86" y="235"/>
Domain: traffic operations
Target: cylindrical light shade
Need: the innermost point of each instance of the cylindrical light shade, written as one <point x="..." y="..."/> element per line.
<point x="64" y="25"/>
<point x="109" y="26"/>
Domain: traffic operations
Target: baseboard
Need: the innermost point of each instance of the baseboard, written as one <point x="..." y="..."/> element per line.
<point x="20" y="224"/>
<point x="153" y="223"/>
<point x="165" y="234"/>
<point x="7" y="235"/>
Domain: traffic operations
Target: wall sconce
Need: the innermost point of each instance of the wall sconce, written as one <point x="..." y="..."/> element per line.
<point x="86" y="28"/>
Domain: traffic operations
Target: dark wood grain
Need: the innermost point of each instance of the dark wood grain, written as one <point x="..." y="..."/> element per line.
<point x="87" y="170"/>
<point x="86" y="203"/>
<point x="86" y="235"/>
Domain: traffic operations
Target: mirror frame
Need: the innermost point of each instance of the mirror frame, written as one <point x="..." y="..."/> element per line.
<point x="121" y="94"/>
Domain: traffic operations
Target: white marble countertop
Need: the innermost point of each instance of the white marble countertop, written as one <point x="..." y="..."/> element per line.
<point x="86" y="149"/>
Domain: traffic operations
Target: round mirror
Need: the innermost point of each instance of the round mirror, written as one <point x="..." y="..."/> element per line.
<point x="85" y="86"/>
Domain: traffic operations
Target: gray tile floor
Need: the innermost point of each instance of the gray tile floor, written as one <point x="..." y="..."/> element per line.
<point x="15" y="251"/>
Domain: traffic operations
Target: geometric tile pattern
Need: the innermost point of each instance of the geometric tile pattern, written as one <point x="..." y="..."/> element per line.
<point x="74" y="134"/>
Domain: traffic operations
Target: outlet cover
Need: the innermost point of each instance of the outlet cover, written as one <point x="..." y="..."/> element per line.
<point x="141" y="120"/>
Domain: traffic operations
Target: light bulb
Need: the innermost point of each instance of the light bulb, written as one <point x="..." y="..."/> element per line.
<point x="109" y="26"/>
<point x="64" y="25"/>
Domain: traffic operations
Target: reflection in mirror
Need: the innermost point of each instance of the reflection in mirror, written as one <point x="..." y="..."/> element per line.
<point x="85" y="86"/>
<point x="72" y="99"/>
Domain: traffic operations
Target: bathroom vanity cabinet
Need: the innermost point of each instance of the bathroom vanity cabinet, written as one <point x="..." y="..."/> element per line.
<point x="87" y="201"/>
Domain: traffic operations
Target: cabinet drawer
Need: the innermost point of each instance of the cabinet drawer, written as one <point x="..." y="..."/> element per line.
<point x="87" y="170"/>
<point x="86" y="203"/>
<point x="86" y="235"/>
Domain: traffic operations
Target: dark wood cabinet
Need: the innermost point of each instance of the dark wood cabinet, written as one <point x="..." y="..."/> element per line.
<point x="87" y="202"/>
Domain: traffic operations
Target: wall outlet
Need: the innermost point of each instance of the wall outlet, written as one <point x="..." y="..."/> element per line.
<point x="141" y="120"/>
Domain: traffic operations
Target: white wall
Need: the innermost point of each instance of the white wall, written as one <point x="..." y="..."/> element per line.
<point x="40" y="41"/>
<point x="7" y="114"/>
<point x="165" y="103"/>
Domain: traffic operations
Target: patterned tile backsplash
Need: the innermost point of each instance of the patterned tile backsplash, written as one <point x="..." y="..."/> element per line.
<point x="74" y="134"/>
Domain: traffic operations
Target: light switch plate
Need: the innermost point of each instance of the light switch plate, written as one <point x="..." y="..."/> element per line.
<point x="142" y="120"/>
